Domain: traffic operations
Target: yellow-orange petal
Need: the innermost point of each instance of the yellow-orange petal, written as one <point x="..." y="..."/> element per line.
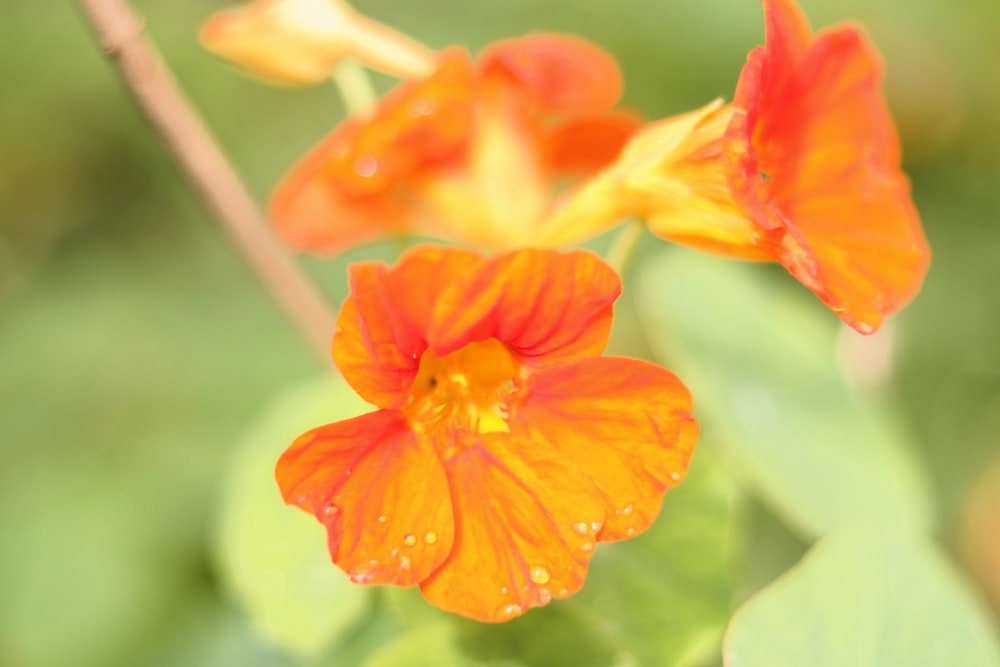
<point x="560" y="74"/>
<point x="546" y="307"/>
<point x="381" y="492"/>
<point x="382" y="327"/>
<point x="626" y="424"/>
<point x="299" y="42"/>
<point x="671" y="175"/>
<point x="813" y="152"/>
<point x="524" y="529"/>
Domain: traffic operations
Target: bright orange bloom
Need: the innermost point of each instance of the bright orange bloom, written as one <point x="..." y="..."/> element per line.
<point x="802" y="169"/>
<point x="299" y="42"/>
<point x="504" y="447"/>
<point x="472" y="153"/>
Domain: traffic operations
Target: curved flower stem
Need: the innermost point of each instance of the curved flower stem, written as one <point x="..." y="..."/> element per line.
<point x="355" y="87"/>
<point x="121" y="35"/>
<point x="623" y="246"/>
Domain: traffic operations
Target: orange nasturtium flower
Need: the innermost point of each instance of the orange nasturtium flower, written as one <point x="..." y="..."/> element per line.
<point x="803" y="168"/>
<point x="299" y="42"/>
<point x="504" y="446"/>
<point x="473" y="153"/>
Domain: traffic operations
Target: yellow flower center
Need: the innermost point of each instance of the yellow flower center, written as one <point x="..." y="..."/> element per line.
<point x="465" y="392"/>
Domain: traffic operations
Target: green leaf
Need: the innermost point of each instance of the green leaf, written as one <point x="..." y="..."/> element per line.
<point x="760" y="364"/>
<point x="274" y="557"/>
<point x="867" y="597"/>
<point x="661" y="596"/>
<point x="432" y="645"/>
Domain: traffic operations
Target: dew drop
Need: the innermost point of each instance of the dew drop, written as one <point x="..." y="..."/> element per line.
<point x="366" y="166"/>
<point x="404" y="563"/>
<point x="509" y="610"/>
<point x="409" y="539"/>
<point x="382" y="518"/>
<point x="394" y="552"/>
<point x="421" y="107"/>
<point x="540" y="574"/>
<point x="625" y="511"/>
<point x="563" y="591"/>
<point x="596" y="526"/>
<point x="544" y="596"/>
<point x="431" y="537"/>
<point x="676" y="476"/>
<point x="504" y="590"/>
<point x="587" y="546"/>
<point x="630" y="531"/>
<point x="330" y="510"/>
<point x="581" y="527"/>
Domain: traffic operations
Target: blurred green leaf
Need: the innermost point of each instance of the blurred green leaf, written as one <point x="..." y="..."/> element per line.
<point x="760" y="363"/>
<point x="275" y="557"/>
<point x="432" y="645"/>
<point x="659" y="595"/>
<point x="867" y="596"/>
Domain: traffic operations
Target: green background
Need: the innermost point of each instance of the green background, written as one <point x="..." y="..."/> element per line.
<point x="139" y="357"/>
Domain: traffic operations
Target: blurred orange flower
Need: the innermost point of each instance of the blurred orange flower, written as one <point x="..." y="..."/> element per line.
<point x="803" y="168"/>
<point x="472" y="153"/>
<point x="504" y="445"/>
<point x="299" y="42"/>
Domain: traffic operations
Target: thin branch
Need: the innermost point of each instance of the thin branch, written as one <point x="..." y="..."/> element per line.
<point x="122" y="37"/>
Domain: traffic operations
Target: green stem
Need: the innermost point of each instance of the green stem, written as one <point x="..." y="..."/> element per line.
<point x="623" y="247"/>
<point x="355" y="87"/>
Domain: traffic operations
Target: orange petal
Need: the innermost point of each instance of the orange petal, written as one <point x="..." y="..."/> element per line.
<point x="545" y="306"/>
<point x="625" y="423"/>
<point x="380" y="491"/>
<point x="524" y="529"/>
<point x="581" y="144"/>
<point x="382" y="328"/>
<point x="562" y="74"/>
<point x="311" y="213"/>
<point x="813" y="152"/>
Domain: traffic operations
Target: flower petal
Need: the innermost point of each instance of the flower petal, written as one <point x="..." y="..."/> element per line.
<point x="813" y="151"/>
<point x="562" y="74"/>
<point x="524" y="529"/>
<point x="546" y="306"/>
<point x="625" y="423"/>
<point x="344" y="192"/>
<point x="298" y="42"/>
<point x="581" y="144"/>
<point x="382" y="328"/>
<point x="380" y="491"/>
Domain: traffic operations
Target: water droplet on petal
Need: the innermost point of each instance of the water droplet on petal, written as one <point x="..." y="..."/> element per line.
<point x="630" y="531"/>
<point x="581" y="527"/>
<point x="625" y="511"/>
<point x="509" y="610"/>
<point x="544" y="595"/>
<point x="404" y="563"/>
<point x="504" y="590"/>
<point x="540" y="574"/>
<point x="366" y="166"/>
<point x="382" y="518"/>
<point x="409" y="539"/>
<point x="563" y="591"/>
<point x="431" y="537"/>
<point x="676" y="476"/>
<point x="587" y="546"/>
<point x="596" y="526"/>
<point x="330" y="510"/>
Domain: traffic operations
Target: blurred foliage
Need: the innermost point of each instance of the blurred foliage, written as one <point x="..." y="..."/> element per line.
<point x="136" y="349"/>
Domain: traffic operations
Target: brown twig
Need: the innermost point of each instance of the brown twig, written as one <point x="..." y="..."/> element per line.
<point x="121" y="35"/>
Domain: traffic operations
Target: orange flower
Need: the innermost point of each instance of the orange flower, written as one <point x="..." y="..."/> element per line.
<point x="802" y="169"/>
<point x="298" y="42"/>
<point x="504" y="446"/>
<point x="471" y="153"/>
